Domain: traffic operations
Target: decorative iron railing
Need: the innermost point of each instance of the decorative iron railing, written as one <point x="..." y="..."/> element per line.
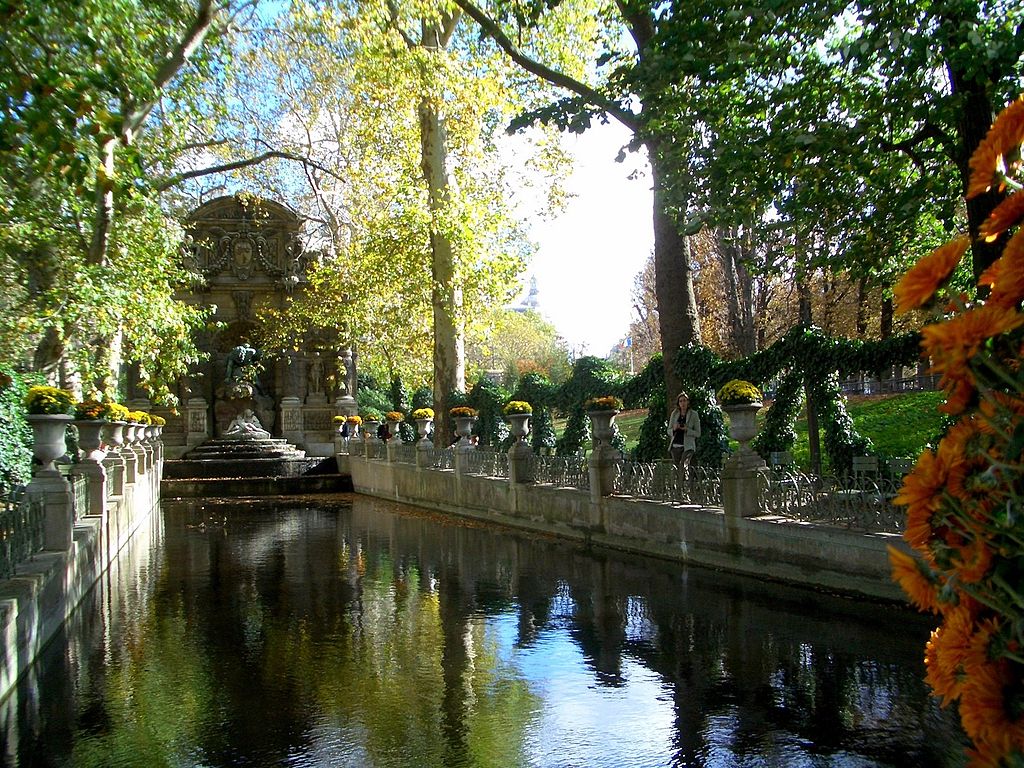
<point x="662" y="481"/>
<point x="487" y="463"/>
<point x="79" y="496"/>
<point x="378" y="449"/>
<point x="22" y="519"/>
<point x="404" y="453"/>
<point x="561" y="471"/>
<point x="858" y="503"/>
<point x="440" y="458"/>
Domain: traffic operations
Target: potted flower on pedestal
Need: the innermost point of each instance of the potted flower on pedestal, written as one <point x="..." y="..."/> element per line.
<point x="49" y="413"/>
<point x="117" y="415"/>
<point x="91" y="416"/>
<point x="518" y="413"/>
<point x="394" y="420"/>
<point x="423" y="417"/>
<point x="353" y="422"/>
<point x="371" y="421"/>
<point x="741" y="400"/>
<point x="464" y="417"/>
<point x="602" y="411"/>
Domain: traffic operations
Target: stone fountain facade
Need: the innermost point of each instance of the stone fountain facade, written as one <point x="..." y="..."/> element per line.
<point x="249" y="256"/>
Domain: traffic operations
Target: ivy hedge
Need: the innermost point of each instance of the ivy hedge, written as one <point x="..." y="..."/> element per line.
<point x="15" y="433"/>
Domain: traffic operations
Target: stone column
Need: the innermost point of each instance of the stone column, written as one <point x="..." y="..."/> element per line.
<point x="519" y="462"/>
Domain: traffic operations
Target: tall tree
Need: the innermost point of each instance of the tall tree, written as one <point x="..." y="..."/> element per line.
<point x="93" y="94"/>
<point x="628" y="38"/>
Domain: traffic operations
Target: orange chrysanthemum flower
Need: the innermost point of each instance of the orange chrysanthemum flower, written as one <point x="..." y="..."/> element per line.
<point x="946" y="651"/>
<point x="915" y="578"/>
<point x="1005" y="276"/>
<point x="1006" y="133"/>
<point x="918" y="285"/>
<point x="975" y="560"/>
<point x="1007" y="214"/>
<point x="952" y="343"/>
<point x="983" y="710"/>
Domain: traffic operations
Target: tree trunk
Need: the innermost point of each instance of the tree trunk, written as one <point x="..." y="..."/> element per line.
<point x="862" y="308"/>
<point x="446" y="294"/>
<point x="974" y="119"/>
<point x="677" y="302"/>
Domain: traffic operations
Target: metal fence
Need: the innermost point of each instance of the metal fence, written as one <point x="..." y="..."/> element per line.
<point x="404" y="453"/>
<point x="561" y="471"/>
<point x="662" y="481"/>
<point x="440" y="458"/>
<point x="858" y="503"/>
<point x="487" y="463"/>
<point x="79" y="496"/>
<point x="22" y="520"/>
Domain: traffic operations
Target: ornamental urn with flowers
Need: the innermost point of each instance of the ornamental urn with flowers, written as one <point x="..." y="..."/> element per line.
<point x="49" y="413"/>
<point x="91" y="419"/>
<point x="423" y="417"/>
<point x="602" y="411"/>
<point x="741" y="400"/>
<point x="464" y="417"/>
<point x="518" y="413"/>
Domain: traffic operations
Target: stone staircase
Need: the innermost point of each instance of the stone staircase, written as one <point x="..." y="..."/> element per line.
<point x="248" y="467"/>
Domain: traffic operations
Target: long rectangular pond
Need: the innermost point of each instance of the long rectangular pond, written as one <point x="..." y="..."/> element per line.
<point x="349" y="631"/>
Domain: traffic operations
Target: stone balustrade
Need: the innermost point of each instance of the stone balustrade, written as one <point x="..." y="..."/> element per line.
<point x="70" y="528"/>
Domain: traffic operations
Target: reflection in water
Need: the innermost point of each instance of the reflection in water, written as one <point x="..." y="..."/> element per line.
<point x="367" y="634"/>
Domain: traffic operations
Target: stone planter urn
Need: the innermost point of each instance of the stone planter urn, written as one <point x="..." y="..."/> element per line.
<point x="90" y="439"/>
<point x="394" y="429"/>
<point x="464" y="428"/>
<point x="601" y="426"/>
<point x="423" y="429"/>
<point x="48" y="438"/>
<point x="370" y="427"/>
<point x="116" y="433"/>
<point x="743" y="429"/>
<point x="520" y="425"/>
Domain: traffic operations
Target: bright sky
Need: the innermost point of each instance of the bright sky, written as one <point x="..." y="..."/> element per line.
<point x="588" y="257"/>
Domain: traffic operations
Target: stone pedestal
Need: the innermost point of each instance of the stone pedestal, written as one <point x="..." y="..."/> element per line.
<point x="96" y="475"/>
<point x="520" y="466"/>
<point x="291" y="420"/>
<point x="196" y="422"/>
<point x="58" y="508"/>
<point x="740" y="489"/>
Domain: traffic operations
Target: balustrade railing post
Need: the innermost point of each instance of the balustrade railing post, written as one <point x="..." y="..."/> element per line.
<point x="520" y="463"/>
<point x="740" y="488"/>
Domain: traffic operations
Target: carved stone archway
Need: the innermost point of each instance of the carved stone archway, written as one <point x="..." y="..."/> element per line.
<point x="247" y="255"/>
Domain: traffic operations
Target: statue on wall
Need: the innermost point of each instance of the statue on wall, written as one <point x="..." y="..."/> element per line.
<point x="316" y="376"/>
<point x="242" y="372"/>
<point x="246" y="426"/>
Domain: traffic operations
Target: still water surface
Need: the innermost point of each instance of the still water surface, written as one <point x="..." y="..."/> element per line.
<point x="361" y="633"/>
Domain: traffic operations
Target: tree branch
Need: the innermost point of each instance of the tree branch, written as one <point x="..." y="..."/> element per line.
<point x="491" y="28"/>
<point x="236" y="164"/>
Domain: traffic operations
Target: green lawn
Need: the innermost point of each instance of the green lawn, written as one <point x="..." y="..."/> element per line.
<point x="898" y="425"/>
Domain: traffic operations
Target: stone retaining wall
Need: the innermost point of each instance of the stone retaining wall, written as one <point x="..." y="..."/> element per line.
<point x="770" y="547"/>
<point x="43" y="593"/>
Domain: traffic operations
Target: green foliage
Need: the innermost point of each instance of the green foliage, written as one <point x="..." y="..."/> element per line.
<point x="422" y="397"/>
<point x="489" y="399"/>
<point x="542" y="431"/>
<point x="653" y="442"/>
<point x="648" y="383"/>
<point x="399" y="394"/>
<point x="810" y="356"/>
<point x="375" y="399"/>
<point x="777" y="433"/>
<point x="842" y="441"/>
<point x="575" y="435"/>
<point x="15" y="434"/>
